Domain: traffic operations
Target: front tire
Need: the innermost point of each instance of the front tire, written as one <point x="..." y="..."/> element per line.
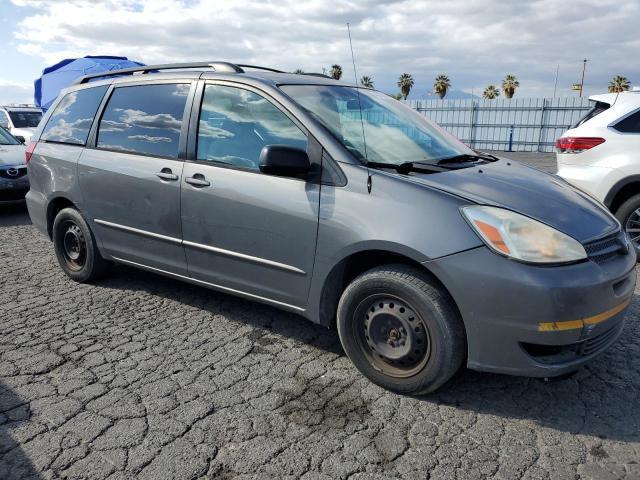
<point x="628" y="214"/>
<point x="76" y="248"/>
<point x="401" y="329"/>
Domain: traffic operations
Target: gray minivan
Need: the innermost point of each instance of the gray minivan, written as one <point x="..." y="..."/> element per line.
<point x="337" y="203"/>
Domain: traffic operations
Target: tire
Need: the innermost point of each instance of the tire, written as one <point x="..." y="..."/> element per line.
<point x="75" y="247"/>
<point x="401" y="329"/>
<point x="629" y="213"/>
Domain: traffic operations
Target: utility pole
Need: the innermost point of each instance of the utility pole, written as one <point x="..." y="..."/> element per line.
<point x="584" y="67"/>
<point x="555" y="85"/>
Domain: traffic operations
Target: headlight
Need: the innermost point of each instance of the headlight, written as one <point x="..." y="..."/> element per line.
<point x="519" y="237"/>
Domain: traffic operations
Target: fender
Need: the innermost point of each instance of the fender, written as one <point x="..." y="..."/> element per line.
<point x="613" y="192"/>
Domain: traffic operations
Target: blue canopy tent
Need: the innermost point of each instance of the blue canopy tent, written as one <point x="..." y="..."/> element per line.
<point x="62" y="74"/>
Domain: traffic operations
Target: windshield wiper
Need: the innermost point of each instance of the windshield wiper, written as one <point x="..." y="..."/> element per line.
<point x="466" y="157"/>
<point x="406" y="167"/>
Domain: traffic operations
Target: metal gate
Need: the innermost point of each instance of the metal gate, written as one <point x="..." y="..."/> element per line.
<point x="523" y="124"/>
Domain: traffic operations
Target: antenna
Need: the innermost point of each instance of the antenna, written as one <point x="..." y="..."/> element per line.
<point x="364" y="139"/>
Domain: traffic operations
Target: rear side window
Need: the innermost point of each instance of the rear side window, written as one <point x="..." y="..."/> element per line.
<point x="144" y="119"/>
<point x="597" y="109"/>
<point x="71" y="120"/>
<point x="630" y="124"/>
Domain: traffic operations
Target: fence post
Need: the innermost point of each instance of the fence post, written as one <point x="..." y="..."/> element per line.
<point x="511" y="138"/>
<point x="542" y="124"/>
<point x="472" y="132"/>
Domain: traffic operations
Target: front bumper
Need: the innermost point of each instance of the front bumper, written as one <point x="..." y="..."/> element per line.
<point x="533" y="320"/>
<point x="13" y="190"/>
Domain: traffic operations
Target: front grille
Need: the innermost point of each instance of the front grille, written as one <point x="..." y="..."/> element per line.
<point x="559" y="354"/>
<point x="606" y="248"/>
<point x="596" y="343"/>
<point x="13" y="194"/>
<point x="4" y="172"/>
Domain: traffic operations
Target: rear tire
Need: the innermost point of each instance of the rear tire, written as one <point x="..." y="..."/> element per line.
<point x="76" y="248"/>
<point x="628" y="214"/>
<point x="401" y="329"/>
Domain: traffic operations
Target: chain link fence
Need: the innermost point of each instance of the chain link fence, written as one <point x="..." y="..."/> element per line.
<point x="519" y="125"/>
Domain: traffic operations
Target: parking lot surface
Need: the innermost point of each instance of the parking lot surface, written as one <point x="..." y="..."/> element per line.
<point x="143" y="376"/>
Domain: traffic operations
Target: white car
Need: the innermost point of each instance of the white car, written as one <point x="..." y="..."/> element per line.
<point x="20" y="120"/>
<point x="14" y="182"/>
<point x="601" y="156"/>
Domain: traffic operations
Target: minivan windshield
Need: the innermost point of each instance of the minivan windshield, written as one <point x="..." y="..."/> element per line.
<point x="393" y="132"/>
<point x="24" y="119"/>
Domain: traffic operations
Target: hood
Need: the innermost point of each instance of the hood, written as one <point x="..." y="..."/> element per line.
<point x="12" y="155"/>
<point x="526" y="190"/>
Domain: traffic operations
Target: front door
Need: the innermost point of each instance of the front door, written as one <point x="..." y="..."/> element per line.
<point x="243" y="230"/>
<point x="130" y="181"/>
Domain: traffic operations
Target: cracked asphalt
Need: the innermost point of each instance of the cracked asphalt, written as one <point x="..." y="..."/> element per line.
<point x="140" y="376"/>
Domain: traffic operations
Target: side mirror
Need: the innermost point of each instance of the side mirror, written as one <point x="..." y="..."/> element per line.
<point x="21" y="139"/>
<point x="284" y="161"/>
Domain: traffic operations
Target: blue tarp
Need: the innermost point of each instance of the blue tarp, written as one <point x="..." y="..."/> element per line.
<point x="63" y="73"/>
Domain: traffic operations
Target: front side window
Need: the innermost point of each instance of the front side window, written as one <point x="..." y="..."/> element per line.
<point x="375" y="127"/>
<point x="144" y="119"/>
<point x="4" y="119"/>
<point x="71" y="120"/>
<point x="235" y="125"/>
<point x="630" y="124"/>
<point x="24" y="119"/>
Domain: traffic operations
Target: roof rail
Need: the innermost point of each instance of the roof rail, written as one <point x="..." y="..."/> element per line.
<point x="256" y="67"/>
<point x="312" y="74"/>
<point x="217" y="66"/>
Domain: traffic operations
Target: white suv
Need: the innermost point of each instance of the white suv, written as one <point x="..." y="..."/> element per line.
<point x="601" y="155"/>
<point x="20" y="120"/>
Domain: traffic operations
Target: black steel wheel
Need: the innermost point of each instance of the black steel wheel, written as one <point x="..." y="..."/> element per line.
<point x="401" y="329"/>
<point x="76" y="248"/>
<point x="393" y="335"/>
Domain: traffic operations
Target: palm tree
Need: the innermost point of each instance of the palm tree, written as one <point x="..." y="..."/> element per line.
<point x="405" y="82"/>
<point x="441" y="85"/>
<point x="619" y="84"/>
<point x="509" y="85"/>
<point x="366" y="82"/>
<point x="298" y="71"/>
<point x="335" y="72"/>
<point x="491" y="92"/>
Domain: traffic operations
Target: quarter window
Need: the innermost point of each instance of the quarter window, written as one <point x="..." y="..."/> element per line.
<point x="71" y="120"/>
<point x="630" y="124"/>
<point x="144" y="119"/>
<point x="235" y="124"/>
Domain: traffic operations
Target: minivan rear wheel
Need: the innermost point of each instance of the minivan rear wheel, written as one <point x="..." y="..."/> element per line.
<point x="401" y="329"/>
<point x="628" y="214"/>
<point x="76" y="248"/>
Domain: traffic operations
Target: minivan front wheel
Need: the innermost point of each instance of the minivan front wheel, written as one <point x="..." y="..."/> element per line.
<point x="401" y="329"/>
<point x="75" y="247"/>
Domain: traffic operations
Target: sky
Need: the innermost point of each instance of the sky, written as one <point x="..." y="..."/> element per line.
<point x="474" y="42"/>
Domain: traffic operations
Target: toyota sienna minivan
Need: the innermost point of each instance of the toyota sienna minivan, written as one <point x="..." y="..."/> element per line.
<point x="340" y="204"/>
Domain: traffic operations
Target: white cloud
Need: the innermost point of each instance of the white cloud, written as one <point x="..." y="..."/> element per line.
<point x="474" y="41"/>
<point x="15" y="92"/>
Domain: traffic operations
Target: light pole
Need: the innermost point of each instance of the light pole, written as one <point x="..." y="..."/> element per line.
<point x="584" y="67"/>
<point x="555" y="85"/>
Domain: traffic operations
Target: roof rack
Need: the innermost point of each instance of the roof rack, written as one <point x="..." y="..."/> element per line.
<point x="216" y="66"/>
<point x="313" y="74"/>
<point x="256" y="67"/>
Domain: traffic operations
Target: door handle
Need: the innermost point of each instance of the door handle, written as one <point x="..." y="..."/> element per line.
<point x="197" y="180"/>
<point x="167" y="174"/>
